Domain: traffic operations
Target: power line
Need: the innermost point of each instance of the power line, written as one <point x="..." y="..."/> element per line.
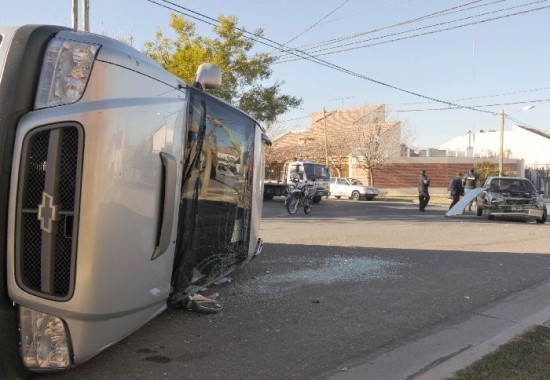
<point x="409" y="21"/>
<point x="518" y="122"/>
<point x="483" y="105"/>
<point x="303" y="55"/>
<point x="332" y="50"/>
<point x="316" y="23"/>
<point x="482" y="96"/>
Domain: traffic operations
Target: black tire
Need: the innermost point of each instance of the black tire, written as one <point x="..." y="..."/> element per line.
<point x="479" y="211"/>
<point x="543" y="218"/>
<point x="370" y="198"/>
<point x="337" y="197"/>
<point x="317" y="199"/>
<point x="355" y="196"/>
<point x="292" y="204"/>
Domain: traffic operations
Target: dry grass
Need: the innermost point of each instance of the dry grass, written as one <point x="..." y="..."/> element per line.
<point x="525" y="358"/>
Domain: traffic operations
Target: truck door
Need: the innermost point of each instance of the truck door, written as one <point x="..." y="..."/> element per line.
<point x="215" y="213"/>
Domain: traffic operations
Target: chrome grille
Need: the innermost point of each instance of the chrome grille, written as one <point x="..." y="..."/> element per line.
<point x="47" y="212"/>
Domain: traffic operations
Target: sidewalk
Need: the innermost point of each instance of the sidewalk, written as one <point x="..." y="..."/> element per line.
<point x="445" y="351"/>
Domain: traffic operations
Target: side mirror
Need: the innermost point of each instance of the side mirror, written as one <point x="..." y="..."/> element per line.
<point x="208" y="76"/>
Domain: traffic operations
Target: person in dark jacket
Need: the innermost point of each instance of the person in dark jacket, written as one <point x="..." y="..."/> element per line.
<point x="423" y="193"/>
<point x="470" y="182"/>
<point x="456" y="190"/>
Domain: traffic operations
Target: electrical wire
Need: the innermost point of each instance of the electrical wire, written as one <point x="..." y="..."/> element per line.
<point x="483" y="105"/>
<point x="316" y="23"/>
<point x="332" y="50"/>
<point x="481" y="96"/>
<point x="303" y="55"/>
<point x="401" y="23"/>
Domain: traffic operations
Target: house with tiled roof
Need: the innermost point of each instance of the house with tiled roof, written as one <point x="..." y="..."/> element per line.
<point x="336" y="138"/>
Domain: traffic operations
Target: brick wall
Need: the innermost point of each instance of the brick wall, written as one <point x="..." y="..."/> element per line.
<point x="403" y="174"/>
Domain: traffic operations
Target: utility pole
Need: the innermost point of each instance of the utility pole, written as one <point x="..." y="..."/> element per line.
<point x="75" y="14"/>
<point x="326" y="137"/>
<point x="501" y="144"/>
<point x="86" y="15"/>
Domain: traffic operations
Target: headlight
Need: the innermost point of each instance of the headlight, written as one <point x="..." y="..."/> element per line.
<point x="44" y="342"/>
<point x="65" y="72"/>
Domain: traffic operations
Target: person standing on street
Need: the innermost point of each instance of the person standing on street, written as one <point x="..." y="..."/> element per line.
<point x="423" y="193"/>
<point x="456" y="190"/>
<point x="470" y="181"/>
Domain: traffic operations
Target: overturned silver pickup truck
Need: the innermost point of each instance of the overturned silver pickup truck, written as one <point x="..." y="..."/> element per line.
<point x="111" y="205"/>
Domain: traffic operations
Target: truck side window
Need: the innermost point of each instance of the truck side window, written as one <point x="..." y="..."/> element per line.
<point x="296" y="169"/>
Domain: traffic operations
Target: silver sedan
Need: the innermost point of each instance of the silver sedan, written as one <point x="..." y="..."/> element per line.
<point x="351" y="188"/>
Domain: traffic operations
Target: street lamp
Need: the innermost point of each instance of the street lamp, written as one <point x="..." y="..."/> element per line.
<point x="502" y="116"/>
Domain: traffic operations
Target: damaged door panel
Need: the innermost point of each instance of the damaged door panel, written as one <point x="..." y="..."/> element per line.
<point x="215" y="206"/>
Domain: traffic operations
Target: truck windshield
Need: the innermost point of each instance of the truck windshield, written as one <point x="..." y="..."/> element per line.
<point x="316" y="171"/>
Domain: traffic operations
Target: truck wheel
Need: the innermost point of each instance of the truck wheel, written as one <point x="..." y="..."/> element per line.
<point x="316" y="199"/>
<point x="268" y="197"/>
<point x="355" y="196"/>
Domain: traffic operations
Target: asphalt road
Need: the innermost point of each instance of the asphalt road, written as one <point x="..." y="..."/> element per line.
<point x="332" y="289"/>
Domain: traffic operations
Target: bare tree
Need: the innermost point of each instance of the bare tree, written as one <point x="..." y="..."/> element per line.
<point x="336" y="136"/>
<point x="374" y="143"/>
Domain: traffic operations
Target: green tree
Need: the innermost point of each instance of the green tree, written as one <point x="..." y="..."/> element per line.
<point x="486" y="169"/>
<point x="243" y="73"/>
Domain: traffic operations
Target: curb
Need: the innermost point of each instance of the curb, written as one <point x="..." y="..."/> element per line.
<point x="451" y="348"/>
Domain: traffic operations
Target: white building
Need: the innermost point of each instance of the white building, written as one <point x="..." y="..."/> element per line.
<point x="528" y="144"/>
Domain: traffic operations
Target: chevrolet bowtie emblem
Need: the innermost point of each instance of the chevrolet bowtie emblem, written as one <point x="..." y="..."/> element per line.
<point x="47" y="213"/>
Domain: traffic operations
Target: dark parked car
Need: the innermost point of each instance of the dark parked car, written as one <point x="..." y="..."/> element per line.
<point x="511" y="196"/>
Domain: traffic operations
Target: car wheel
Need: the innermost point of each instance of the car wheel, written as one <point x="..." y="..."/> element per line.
<point x="337" y="197"/>
<point x="479" y="211"/>
<point x="316" y="199"/>
<point x="543" y="218"/>
<point x="355" y="196"/>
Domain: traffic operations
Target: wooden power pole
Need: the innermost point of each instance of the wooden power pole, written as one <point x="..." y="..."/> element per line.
<point x="75" y="14"/>
<point x="86" y="15"/>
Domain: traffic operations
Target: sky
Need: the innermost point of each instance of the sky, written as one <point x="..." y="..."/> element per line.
<point x="491" y="65"/>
